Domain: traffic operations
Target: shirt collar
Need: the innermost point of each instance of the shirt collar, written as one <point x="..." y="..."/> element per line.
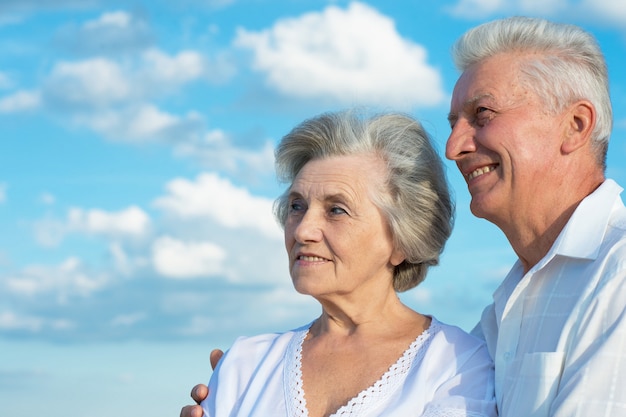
<point x="582" y="235"/>
<point x="580" y="238"/>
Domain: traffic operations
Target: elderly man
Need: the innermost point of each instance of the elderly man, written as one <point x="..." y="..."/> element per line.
<point x="531" y="119"/>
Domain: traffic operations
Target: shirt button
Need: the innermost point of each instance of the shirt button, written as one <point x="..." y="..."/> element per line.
<point x="507" y="356"/>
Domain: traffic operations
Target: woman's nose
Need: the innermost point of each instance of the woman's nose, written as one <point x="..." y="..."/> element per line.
<point x="308" y="228"/>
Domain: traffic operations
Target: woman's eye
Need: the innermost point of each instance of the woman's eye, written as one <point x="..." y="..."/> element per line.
<point x="295" y="206"/>
<point x="337" y="210"/>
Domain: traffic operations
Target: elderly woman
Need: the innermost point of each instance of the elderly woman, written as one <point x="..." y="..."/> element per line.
<point x="366" y="213"/>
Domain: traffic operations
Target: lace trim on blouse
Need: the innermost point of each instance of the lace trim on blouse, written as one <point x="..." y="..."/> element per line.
<point x="367" y="399"/>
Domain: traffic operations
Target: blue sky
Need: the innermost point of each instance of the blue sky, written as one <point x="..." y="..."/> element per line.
<point x="136" y="176"/>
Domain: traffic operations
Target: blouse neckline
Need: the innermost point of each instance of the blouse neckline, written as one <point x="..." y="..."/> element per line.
<point x="368" y="399"/>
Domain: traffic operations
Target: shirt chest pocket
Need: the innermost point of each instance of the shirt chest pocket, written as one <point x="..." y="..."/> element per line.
<point x="533" y="384"/>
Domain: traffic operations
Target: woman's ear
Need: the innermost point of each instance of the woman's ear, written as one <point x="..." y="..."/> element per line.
<point x="397" y="257"/>
<point x="581" y="119"/>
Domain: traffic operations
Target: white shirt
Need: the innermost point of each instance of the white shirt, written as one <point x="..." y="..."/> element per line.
<point x="558" y="333"/>
<point x="444" y="373"/>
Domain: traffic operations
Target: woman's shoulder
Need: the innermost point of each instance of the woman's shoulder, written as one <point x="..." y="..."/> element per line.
<point x="261" y="343"/>
<point x="452" y="352"/>
<point x="454" y="337"/>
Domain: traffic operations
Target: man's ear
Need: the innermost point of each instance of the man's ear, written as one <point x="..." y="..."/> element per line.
<point x="580" y="122"/>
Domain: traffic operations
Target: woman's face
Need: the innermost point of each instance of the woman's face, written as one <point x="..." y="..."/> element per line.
<point x="338" y="242"/>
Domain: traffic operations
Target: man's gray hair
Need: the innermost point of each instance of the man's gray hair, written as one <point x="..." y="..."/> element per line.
<point x="564" y="64"/>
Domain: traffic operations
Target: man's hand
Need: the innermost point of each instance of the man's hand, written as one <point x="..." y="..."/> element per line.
<point x="200" y="391"/>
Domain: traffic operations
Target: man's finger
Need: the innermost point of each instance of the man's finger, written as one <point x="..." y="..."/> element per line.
<point x="191" y="411"/>
<point x="215" y="357"/>
<point x="199" y="393"/>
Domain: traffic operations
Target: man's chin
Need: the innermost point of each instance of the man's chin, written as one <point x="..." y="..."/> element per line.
<point x="480" y="209"/>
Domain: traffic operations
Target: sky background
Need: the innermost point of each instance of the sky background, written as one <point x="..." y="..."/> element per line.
<point x="136" y="177"/>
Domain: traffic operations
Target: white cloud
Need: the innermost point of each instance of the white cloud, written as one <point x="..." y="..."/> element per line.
<point x="47" y="198"/>
<point x="418" y="296"/>
<point x="114" y="20"/>
<point x="122" y="263"/>
<point x="5" y="80"/>
<point x="112" y="33"/>
<point x="49" y="232"/>
<point x="210" y="196"/>
<point x="130" y="222"/>
<point x="149" y="121"/>
<point x="114" y="99"/>
<point x="95" y="82"/>
<point x="476" y="8"/>
<point x="282" y="308"/>
<point x="20" y="101"/>
<point x="12" y="321"/>
<point x="174" y="258"/>
<point x="184" y="67"/>
<point x="128" y="319"/>
<point x="103" y="83"/>
<point x="65" y="280"/>
<point x="200" y="325"/>
<point x="348" y="55"/>
<point x="142" y="124"/>
<point x="215" y="150"/>
<point x="287" y="303"/>
<point x="544" y="6"/>
<point x="37" y="5"/>
<point x="606" y="11"/>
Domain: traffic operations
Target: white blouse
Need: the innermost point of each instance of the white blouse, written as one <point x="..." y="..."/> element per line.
<point x="444" y="373"/>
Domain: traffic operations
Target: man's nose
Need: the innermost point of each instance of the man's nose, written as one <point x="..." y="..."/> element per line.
<point x="461" y="140"/>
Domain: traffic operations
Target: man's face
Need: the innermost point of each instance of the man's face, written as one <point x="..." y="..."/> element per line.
<point x="504" y="141"/>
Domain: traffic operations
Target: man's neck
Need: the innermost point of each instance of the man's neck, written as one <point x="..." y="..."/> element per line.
<point x="532" y="241"/>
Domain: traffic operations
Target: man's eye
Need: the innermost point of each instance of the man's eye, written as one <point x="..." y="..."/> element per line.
<point x="296" y="206"/>
<point x="483" y="115"/>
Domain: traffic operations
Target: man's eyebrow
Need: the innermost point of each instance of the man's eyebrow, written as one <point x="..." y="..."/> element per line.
<point x="468" y="104"/>
<point x="452" y="118"/>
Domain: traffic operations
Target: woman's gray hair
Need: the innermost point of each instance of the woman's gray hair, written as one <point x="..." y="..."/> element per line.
<point x="564" y="64"/>
<point x="418" y="206"/>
